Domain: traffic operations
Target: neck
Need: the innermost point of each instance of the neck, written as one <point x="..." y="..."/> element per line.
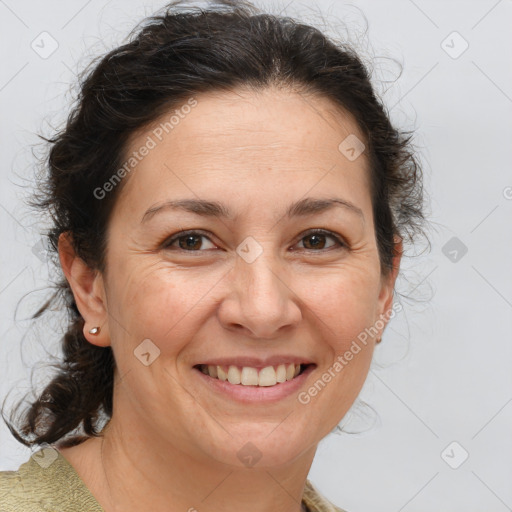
<point x="134" y="476"/>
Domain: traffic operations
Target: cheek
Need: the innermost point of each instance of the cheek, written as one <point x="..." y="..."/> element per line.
<point x="168" y="305"/>
<point x="162" y="304"/>
<point x="342" y="310"/>
<point x="342" y="300"/>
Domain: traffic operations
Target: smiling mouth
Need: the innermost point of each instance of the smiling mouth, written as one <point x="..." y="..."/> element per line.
<point x="249" y="376"/>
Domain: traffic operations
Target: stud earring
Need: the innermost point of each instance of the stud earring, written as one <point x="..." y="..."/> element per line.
<point x="94" y="330"/>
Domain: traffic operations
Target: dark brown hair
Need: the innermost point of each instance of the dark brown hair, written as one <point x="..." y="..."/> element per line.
<point x="172" y="56"/>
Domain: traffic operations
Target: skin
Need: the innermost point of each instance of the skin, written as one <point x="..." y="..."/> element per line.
<point x="171" y="443"/>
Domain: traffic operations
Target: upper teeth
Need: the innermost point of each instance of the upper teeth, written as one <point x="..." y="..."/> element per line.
<point x="268" y="376"/>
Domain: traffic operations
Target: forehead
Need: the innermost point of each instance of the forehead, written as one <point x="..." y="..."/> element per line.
<point x="268" y="142"/>
<point x="274" y="116"/>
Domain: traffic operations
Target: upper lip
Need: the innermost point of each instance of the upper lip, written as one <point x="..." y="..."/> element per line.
<point x="256" y="362"/>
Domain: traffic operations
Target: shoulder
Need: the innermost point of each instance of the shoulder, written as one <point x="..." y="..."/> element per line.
<point x="44" y="483"/>
<point x="315" y="502"/>
<point x="47" y="482"/>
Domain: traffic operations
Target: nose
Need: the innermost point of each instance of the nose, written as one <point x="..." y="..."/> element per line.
<point x="260" y="303"/>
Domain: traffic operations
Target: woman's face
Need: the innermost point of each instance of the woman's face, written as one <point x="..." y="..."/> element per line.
<point x="248" y="285"/>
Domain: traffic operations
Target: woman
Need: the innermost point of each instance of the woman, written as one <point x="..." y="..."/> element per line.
<point x="230" y="202"/>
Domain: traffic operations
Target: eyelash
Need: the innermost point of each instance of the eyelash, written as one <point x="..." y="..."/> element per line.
<point x="182" y="234"/>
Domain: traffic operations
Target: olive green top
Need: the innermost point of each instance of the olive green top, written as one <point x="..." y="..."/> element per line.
<point x="47" y="482"/>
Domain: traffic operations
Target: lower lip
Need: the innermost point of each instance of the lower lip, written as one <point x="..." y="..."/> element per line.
<point x="256" y="394"/>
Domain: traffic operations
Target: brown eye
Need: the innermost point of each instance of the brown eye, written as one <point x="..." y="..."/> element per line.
<point x="187" y="241"/>
<point x="191" y="241"/>
<point x="316" y="240"/>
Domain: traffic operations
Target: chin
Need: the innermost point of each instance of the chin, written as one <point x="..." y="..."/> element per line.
<point x="261" y="445"/>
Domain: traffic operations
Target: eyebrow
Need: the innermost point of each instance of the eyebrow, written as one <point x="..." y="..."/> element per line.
<point x="301" y="208"/>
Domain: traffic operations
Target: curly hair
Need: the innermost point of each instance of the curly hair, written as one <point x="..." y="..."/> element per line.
<point x="171" y="56"/>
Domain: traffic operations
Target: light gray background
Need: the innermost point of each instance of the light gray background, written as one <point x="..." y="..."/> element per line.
<point x="445" y="361"/>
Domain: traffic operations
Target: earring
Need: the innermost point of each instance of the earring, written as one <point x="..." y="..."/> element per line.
<point x="94" y="330"/>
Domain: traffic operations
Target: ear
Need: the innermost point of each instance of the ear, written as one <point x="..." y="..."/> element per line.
<point x="385" y="301"/>
<point x="88" y="289"/>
